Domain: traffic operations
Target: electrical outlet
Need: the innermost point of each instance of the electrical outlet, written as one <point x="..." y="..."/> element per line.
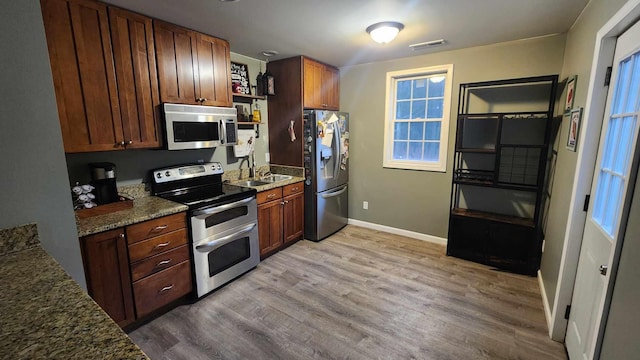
<point x="267" y="157"/>
<point x="365" y="205"/>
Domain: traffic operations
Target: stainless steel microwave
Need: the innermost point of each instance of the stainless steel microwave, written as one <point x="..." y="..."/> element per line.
<point x="199" y="127"/>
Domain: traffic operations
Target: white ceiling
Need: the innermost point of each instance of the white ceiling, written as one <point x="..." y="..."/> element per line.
<point x="333" y="31"/>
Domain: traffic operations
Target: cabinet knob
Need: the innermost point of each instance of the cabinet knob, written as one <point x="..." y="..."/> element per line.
<point x="129" y="142"/>
<point x="203" y="99"/>
<point x="121" y="236"/>
<point x="121" y="143"/>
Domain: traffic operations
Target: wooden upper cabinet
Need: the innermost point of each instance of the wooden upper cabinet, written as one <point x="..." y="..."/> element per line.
<point x="83" y="74"/>
<point x="177" y="63"/>
<point x="321" y="89"/>
<point x="214" y="71"/>
<point x="135" y="63"/>
<point x="193" y="68"/>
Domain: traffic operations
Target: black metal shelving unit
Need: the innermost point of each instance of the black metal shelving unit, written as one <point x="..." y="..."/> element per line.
<point x="498" y="186"/>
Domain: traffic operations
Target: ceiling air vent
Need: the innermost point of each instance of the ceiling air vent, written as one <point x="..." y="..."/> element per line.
<point x="427" y="45"/>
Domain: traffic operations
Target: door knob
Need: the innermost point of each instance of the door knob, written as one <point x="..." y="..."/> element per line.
<point x="603" y="270"/>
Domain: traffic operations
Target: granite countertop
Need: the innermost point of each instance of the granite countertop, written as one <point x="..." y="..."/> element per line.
<point x="144" y="208"/>
<point x="297" y="174"/>
<point x="44" y="314"/>
<point x="269" y="186"/>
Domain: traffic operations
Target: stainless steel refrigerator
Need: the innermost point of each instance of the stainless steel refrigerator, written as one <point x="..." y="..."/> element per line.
<point x="326" y="163"/>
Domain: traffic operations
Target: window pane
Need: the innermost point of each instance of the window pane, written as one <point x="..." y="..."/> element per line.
<point x="415" y="150"/>
<point x="419" y="89"/>
<point x="436" y="88"/>
<point x="433" y="130"/>
<point x="399" y="150"/>
<point x="416" y="131"/>
<point x="434" y="110"/>
<point x="610" y="143"/>
<point x="621" y="89"/>
<point x="431" y="151"/>
<point x="401" y="131"/>
<point x="632" y="98"/>
<point x="403" y="90"/>
<point x="418" y="108"/>
<point x="624" y="141"/>
<point x="402" y="109"/>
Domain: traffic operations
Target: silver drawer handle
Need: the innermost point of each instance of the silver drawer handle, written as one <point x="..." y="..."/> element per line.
<point x="166" y="288"/>
<point x="159" y="228"/>
<point x="163" y="262"/>
<point x="161" y="245"/>
<point x="271" y="195"/>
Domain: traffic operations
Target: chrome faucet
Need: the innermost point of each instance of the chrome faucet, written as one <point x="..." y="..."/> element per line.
<point x="252" y="165"/>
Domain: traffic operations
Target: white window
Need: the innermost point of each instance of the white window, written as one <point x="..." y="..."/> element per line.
<point x="417" y="118"/>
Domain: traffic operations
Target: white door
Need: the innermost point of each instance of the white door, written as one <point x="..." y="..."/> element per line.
<point x="609" y="200"/>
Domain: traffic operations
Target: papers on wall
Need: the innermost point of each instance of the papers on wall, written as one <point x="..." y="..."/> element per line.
<point x="245" y="144"/>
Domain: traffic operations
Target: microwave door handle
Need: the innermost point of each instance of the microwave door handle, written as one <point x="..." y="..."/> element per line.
<point x="220" y="208"/>
<point x="335" y="193"/>
<point x="223" y="131"/>
<point x="214" y="244"/>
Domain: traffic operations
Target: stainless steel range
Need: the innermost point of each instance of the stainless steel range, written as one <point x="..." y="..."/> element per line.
<point x="223" y="221"/>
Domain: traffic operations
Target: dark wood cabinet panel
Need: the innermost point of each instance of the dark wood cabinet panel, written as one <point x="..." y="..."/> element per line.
<point x="214" y="70"/>
<point x="177" y="63"/>
<point x="312" y="85"/>
<point x="83" y="74"/>
<point x="106" y="266"/>
<point x="270" y="226"/>
<point x="331" y="87"/>
<point x="137" y="78"/>
<point x="293" y="217"/>
<point x="155" y="263"/>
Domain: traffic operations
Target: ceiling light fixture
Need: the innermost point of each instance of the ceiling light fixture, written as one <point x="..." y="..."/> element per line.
<point x="384" y="32"/>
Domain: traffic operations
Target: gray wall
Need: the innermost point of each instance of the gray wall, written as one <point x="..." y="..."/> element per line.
<point x="419" y="200"/>
<point x="34" y="178"/>
<point x="133" y="165"/>
<point x="577" y="61"/>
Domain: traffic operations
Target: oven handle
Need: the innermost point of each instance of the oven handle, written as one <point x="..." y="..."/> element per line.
<point x="220" y="208"/>
<point x="214" y="244"/>
<point x="223" y="130"/>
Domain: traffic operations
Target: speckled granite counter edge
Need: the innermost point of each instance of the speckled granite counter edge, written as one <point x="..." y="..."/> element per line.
<point x="145" y="208"/>
<point x="18" y="238"/>
<point x="46" y="315"/>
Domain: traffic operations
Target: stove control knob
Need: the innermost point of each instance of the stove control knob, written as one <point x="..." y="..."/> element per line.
<point x="158" y="175"/>
<point x="168" y="173"/>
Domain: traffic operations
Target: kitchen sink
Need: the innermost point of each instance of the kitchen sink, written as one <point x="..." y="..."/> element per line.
<point x="252" y="183"/>
<point x="275" y="178"/>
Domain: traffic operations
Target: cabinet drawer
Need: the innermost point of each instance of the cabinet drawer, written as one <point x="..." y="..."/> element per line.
<point x="159" y="262"/>
<point x="156" y="245"/>
<point x="162" y="288"/>
<point x="159" y="226"/>
<point x="292" y="189"/>
<point x="269" y="195"/>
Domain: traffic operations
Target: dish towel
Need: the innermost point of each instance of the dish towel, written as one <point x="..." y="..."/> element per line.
<point x="246" y="143"/>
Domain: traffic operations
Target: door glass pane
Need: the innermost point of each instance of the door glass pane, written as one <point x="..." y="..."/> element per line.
<point x="610" y="143"/>
<point x="632" y="97"/>
<point x="625" y="138"/>
<point x="621" y="88"/>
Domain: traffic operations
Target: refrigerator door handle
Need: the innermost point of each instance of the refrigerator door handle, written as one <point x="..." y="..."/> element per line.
<point x="335" y="193"/>
<point x="336" y="155"/>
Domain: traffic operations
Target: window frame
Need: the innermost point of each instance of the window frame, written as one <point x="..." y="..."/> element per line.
<point x="390" y="111"/>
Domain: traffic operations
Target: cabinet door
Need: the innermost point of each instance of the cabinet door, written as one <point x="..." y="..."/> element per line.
<point x="135" y="62"/>
<point x="270" y="226"/>
<point x="330" y="88"/>
<point x="293" y="217"/>
<point x="106" y="266"/>
<point x="83" y="74"/>
<point x="312" y="84"/>
<point x="513" y="247"/>
<point x="214" y="71"/>
<point x="468" y="238"/>
<point x="177" y="63"/>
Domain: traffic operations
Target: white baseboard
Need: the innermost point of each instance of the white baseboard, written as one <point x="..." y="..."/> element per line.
<point x="545" y="302"/>
<point x="392" y="230"/>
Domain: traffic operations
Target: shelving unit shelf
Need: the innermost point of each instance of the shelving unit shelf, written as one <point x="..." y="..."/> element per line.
<point x="245" y="98"/>
<point x="499" y="175"/>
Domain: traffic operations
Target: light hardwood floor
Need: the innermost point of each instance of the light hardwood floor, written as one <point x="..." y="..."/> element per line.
<point x="360" y="294"/>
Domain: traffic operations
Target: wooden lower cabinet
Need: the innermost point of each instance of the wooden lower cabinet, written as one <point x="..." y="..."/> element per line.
<point x="132" y="272"/>
<point x="106" y="265"/>
<point x="280" y="217"/>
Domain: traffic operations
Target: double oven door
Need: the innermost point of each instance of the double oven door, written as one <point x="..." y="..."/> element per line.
<point x="225" y="242"/>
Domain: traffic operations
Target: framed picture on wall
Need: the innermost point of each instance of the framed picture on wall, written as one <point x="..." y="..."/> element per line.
<point x="240" y="79"/>
<point x="574" y="128"/>
<point x="571" y="92"/>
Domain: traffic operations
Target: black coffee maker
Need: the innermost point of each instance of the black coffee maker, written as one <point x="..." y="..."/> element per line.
<point x="103" y="177"/>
